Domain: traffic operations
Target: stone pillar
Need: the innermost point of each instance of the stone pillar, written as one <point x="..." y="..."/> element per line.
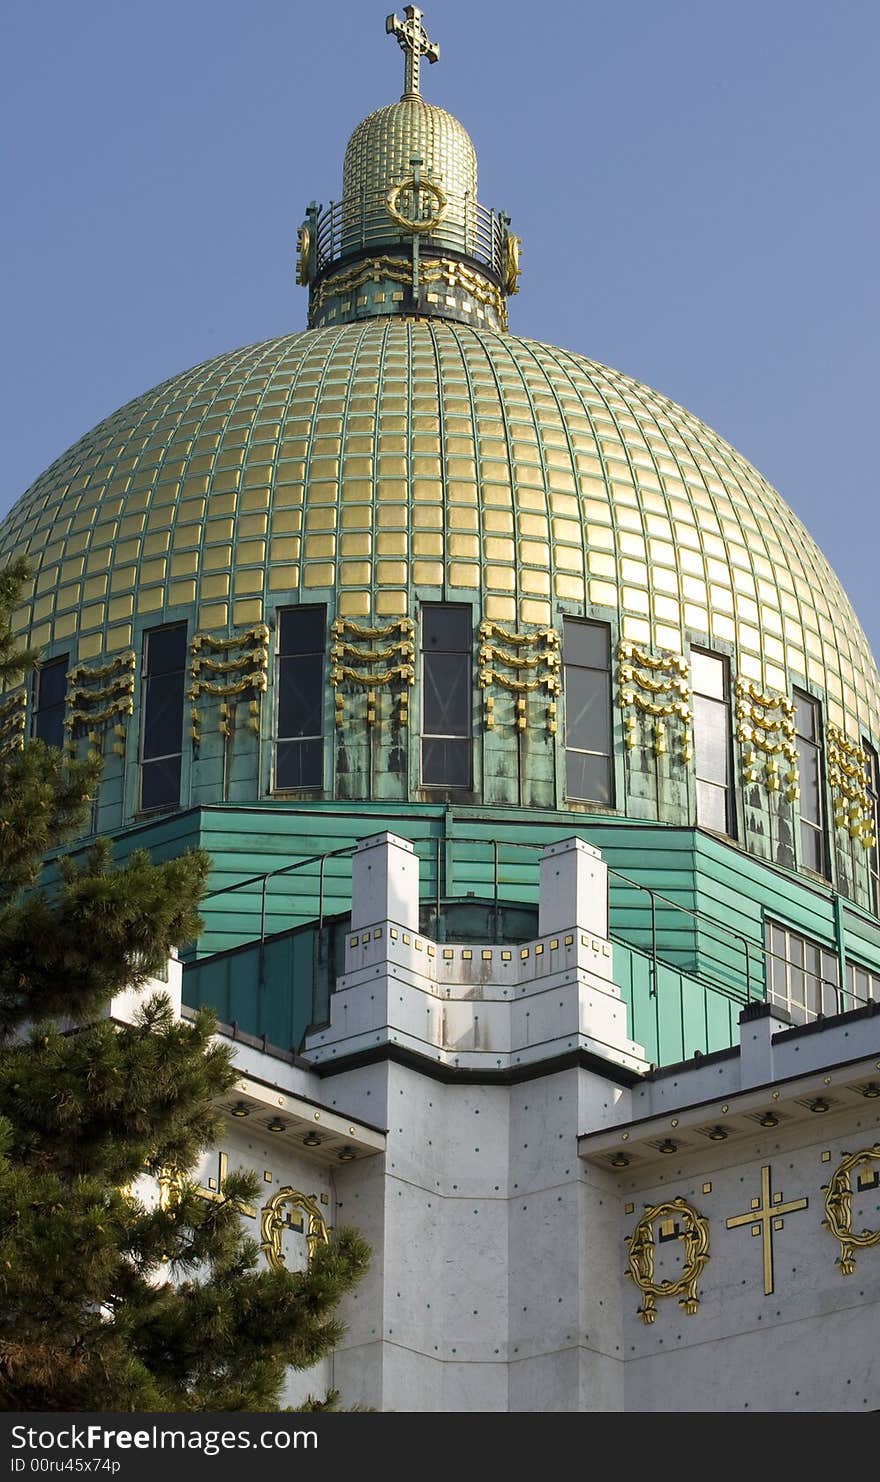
<point x="573" y="890"/>
<point x="384" y="883"/>
<point x="758" y="1023"/>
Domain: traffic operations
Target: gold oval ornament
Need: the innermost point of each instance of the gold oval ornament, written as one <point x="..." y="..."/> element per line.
<point x="640" y="1267"/>
<point x="406" y="222"/>
<point x="838" y="1209"/>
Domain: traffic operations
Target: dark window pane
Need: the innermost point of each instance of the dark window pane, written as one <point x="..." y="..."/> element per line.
<point x="586" y="644"/>
<point x="49" y="725"/>
<point x="587" y="710"/>
<point x="447" y="697"/>
<point x="301" y="630"/>
<point x="166" y="651"/>
<point x="588" y="776"/>
<point x="162" y="718"/>
<point x="163" y="715"/>
<point x="52" y="684"/>
<point x="300" y="696"/>
<point x="446" y="629"/>
<point x="301" y="644"/>
<point x="160" y="782"/>
<point x="51" y="692"/>
<point x="299" y="763"/>
<point x="712" y="807"/>
<point x="446" y="763"/>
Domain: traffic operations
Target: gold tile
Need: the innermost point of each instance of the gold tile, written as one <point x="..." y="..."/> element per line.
<point x="250" y="611"/>
<point x="118" y="636"/>
<point x="534" y="612"/>
<point x="500" y="609"/>
<point x="283" y="578"/>
<point x="462" y="574"/>
<point x="151" y="599"/>
<point x="570" y="588"/>
<point x="181" y="592"/>
<point x="120" y="607"/>
<point x="354" y="604"/>
<point x="603" y="593"/>
<point x="319" y="575"/>
<point x="391" y="604"/>
<point x="319" y="547"/>
<point x="89" y="647"/>
<point x="428" y="573"/>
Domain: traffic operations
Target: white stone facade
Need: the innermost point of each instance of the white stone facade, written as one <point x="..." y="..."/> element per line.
<point x="501" y="1138"/>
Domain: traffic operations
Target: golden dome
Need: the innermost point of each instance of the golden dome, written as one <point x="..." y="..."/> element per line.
<point x="379" y="156"/>
<point x="376" y="465"/>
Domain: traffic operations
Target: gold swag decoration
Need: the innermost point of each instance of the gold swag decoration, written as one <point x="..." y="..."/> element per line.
<point x="848" y="780"/>
<point x="654" y="687"/>
<point x="496" y="662"/>
<point x="640" y="1268"/>
<point x="98" y="695"/>
<point x="241" y="671"/>
<point x="765" y="725"/>
<point x="349" y="640"/>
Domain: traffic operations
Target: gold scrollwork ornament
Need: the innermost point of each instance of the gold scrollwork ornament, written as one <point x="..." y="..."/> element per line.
<point x="640" y="1267"/>
<point x="273" y="1223"/>
<point x="838" y="1209"/>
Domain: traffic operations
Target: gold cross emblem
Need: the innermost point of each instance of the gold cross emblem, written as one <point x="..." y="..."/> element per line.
<point x="412" y="38"/>
<point x="765" y="1216"/>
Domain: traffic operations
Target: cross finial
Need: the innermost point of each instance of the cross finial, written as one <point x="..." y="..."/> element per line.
<point x="412" y="38"/>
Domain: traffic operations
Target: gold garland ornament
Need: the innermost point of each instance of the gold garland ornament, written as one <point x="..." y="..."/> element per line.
<point x="429" y="223"/>
<point x="275" y="1218"/>
<point x="398" y="270"/>
<point x="348" y="640"/>
<point x="838" y="1209"/>
<point x="640" y="1268"/>
<point x="654" y="685"/>
<point x="848" y="780"/>
<point x="765" y="725"/>
<point x="214" y="678"/>
<point x="546" y="660"/>
<point x="98" y="696"/>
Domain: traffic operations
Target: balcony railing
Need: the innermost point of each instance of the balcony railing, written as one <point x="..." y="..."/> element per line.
<point x="346" y="227"/>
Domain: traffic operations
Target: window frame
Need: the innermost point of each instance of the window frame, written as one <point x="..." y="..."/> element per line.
<point x="38" y="709"/>
<point x="280" y="657"/>
<point x="729" y="830"/>
<point x="818" y="827"/>
<point x="783" y="972"/>
<point x="467" y="656"/>
<point x="569" y="621"/>
<point x="143" y="762"/>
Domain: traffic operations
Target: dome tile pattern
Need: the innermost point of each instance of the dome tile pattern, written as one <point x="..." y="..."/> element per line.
<point x="376" y="464"/>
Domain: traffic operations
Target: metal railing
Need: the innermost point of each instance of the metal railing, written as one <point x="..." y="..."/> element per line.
<point x="729" y="960"/>
<point x="467" y="226"/>
<point x="680" y="944"/>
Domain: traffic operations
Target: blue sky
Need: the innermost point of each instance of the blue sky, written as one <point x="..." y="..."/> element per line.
<point x="695" y="185"/>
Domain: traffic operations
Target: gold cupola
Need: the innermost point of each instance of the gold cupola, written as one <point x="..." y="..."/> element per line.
<point x="409" y="235"/>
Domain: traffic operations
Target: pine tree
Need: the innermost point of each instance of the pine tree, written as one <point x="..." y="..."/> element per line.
<point x="107" y="1301"/>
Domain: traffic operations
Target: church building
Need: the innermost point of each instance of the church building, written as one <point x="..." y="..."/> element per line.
<point x="535" y="744"/>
